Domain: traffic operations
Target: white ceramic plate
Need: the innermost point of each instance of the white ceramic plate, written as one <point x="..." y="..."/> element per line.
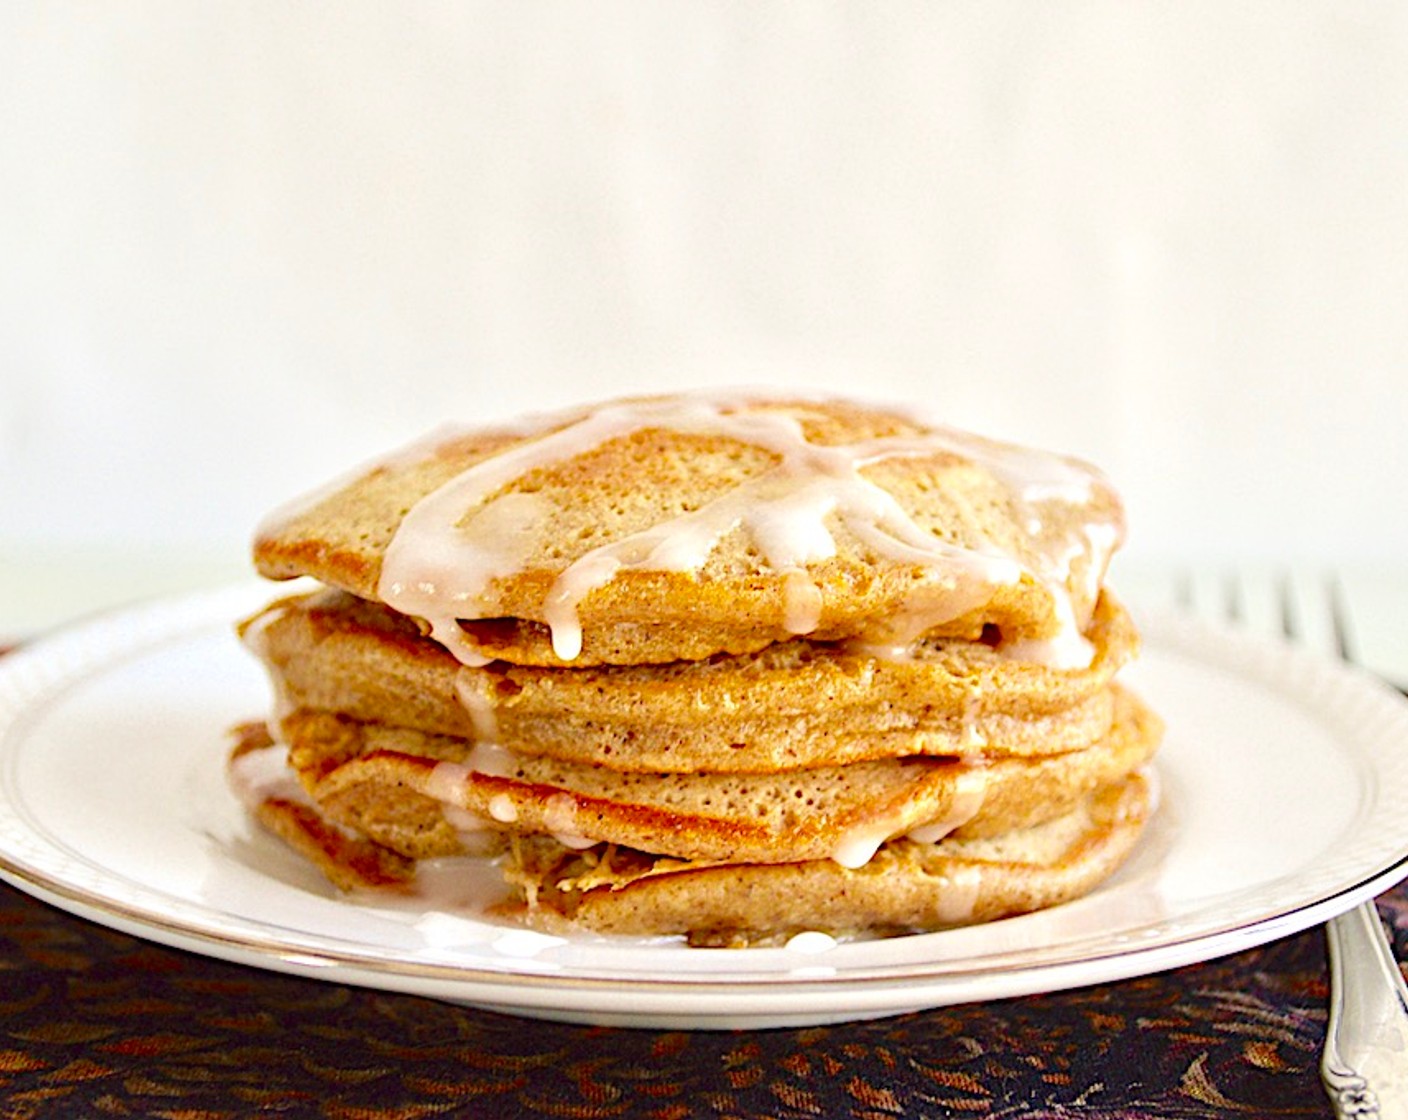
<point x="1283" y="780"/>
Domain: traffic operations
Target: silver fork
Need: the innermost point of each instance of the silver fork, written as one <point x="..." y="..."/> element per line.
<point x="1364" y="1065"/>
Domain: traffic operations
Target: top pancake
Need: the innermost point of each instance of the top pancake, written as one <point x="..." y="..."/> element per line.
<point x="670" y="528"/>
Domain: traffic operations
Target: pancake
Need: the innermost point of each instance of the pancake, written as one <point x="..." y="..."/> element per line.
<point x="348" y="860"/>
<point x="796" y="703"/>
<point x="675" y="528"/>
<point x="417" y="794"/>
<point x="721" y="666"/>
<point x="906" y="887"/>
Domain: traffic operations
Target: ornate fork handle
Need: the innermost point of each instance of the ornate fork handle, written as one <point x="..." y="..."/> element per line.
<point x="1365" y="1061"/>
<point x="1364" y="1064"/>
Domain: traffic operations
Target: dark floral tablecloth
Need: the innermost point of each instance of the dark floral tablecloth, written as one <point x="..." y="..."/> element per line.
<point x="97" y="1023"/>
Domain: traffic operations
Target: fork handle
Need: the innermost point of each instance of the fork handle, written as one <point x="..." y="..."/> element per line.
<point x="1365" y="1062"/>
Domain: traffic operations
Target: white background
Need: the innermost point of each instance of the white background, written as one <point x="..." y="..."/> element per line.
<point x="246" y="245"/>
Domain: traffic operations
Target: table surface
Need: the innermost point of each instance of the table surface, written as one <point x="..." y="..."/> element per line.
<point x="95" y="1022"/>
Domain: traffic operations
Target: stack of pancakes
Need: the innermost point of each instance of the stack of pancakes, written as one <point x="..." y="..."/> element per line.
<point x="724" y="666"/>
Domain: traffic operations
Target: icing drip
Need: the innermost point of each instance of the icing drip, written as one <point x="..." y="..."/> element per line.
<point x="502" y="808"/>
<point x="560" y="817"/>
<point x="259" y="775"/>
<point x="859" y="843"/>
<point x="803" y="602"/>
<point x="810" y="941"/>
<point x="1068" y="649"/>
<point x="446" y="782"/>
<point x="479" y="707"/>
<point x="453" y="544"/>
<point x="493" y="760"/>
<point x="969" y="792"/>
<point x="959" y="891"/>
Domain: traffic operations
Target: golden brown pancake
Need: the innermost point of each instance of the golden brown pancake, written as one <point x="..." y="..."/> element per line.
<point x="349" y="861"/>
<point x="415" y="793"/>
<point x="716" y="665"/>
<point x="796" y="703"/>
<point x="675" y="528"/>
<point x="904" y="888"/>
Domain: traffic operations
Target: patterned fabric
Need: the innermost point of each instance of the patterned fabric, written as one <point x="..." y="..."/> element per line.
<point x="97" y="1023"/>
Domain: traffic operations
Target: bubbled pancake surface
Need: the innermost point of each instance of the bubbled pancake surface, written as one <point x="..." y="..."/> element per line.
<point x="392" y="784"/>
<point x="907" y="886"/>
<point x="797" y="703"/>
<point x="543" y="519"/>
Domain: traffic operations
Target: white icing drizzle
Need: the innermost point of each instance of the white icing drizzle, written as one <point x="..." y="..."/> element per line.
<point x="446" y="782"/>
<point x="802" y="602"/>
<point x="1101" y="539"/>
<point x="442" y="930"/>
<point x="262" y="774"/>
<point x="455" y="542"/>
<point x="458" y="887"/>
<point x="899" y="652"/>
<point x="560" y="818"/>
<point x="973" y="734"/>
<point x="1069" y="648"/>
<point x="958" y="894"/>
<point x="858" y="844"/>
<point x="502" y="808"/>
<point x="970" y="790"/>
<point x="810" y="941"/>
<point x="1037" y="476"/>
<point x="491" y="759"/>
<point x="479" y="707"/>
